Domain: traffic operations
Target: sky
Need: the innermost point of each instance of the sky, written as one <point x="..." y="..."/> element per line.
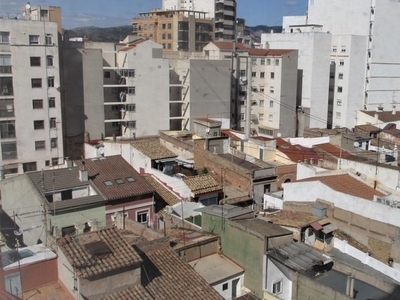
<point x="109" y="13"/>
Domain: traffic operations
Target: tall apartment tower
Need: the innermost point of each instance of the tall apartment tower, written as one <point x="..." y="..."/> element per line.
<point x="31" y="135"/>
<point x="222" y="11"/>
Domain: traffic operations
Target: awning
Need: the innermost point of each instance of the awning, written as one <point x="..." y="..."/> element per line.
<point x="316" y="226"/>
<point x="165" y="160"/>
<point x="324" y="221"/>
<point x="329" y="228"/>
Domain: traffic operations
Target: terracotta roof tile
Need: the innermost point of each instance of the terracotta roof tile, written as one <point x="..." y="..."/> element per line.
<point x="98" y="252"/>
<point x="169" y="197"/>
<point x="116" y="170"/>
<point x="333" y="150"/>
<point x="132" y="45"/>
<point x="384" y="116"/>
<point x="153" y="148"/>
<point x="347" y="184"/>
<point x="202" y="184"/>
<point x="296" y="152"/>
<point x="270" y="52"/>
<point x="134" y="292"/>
<point x="229" y="46"/>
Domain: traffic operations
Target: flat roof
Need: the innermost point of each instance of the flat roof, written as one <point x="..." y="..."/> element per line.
<point x="215" y="268"/>
<point x="240" y="161"/>
<point x="226" y="210"/>
<point x="263" y="228"/>
<point x="292" y="218"/>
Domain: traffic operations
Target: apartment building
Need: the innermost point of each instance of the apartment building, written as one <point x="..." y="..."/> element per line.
<point x="361" y="50"/>
<point x="263" y="98"/>
<point x="222" y="11"/>
<point x="30" y="105"/>
<point x="181" y="29"/>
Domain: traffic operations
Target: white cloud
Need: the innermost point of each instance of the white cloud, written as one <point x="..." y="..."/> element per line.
<point x="291" y="3"/>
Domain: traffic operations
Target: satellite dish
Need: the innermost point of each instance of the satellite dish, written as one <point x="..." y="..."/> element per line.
<point x="101" y="150"/>
<point x="356" y="144"/>
<point x="207" y="130"/>
<point x="279" y="135"/>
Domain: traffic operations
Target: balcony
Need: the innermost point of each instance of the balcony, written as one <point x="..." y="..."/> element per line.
<point x="5" y="69"/>
<point x="6" y="86"/>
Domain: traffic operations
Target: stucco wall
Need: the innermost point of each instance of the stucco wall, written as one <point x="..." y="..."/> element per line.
<point x="308" y="289"/>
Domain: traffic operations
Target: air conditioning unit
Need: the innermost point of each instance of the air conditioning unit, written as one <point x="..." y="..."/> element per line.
<point x="389" y="202"/>
<point x="380" y="200"/>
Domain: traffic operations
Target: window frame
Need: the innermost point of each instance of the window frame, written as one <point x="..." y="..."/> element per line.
<point x="277" y="287"/>
<point x="34" y="39"/>
<point x="36" y="83"/>
<point x="38" y="125"/>
<point x="35" y="61"/>
<point x="50" y="61"/>
<point x="34" y="103"/>
<point x="40" y="145"/>
<point x="146" y="213"/>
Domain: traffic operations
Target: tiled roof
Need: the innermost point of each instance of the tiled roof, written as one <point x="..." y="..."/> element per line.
<point x="367" y="127"/>
<point x="50" y="180"/>
<point x="296" y="152"/>
<point x="347" y="184"/>
<point x="152" y="148"/>
<point x="111" y="253"/>
<point x="384" y="116"/>
<point x="134" y="292"/>
<point x="292" y="218"/>
<point x="202" y="184"/>
<point x="229" y="46"/>
<point x="115" y="170"/>
<point x="271" y="52"/>
<point x="169" y="197"/>
<point x="333" y="150"/>
<point x="132" y="45"/>
<point x="169" y="277"/>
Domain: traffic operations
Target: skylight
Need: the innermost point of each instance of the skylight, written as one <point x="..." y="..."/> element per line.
<point x="119" y="181"/>
<point x="130" y="179"/>
<point x="108" y="183"/>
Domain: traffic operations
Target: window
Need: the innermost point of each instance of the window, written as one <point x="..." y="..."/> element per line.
<point x="261" y="117"/>
<point x="242" y="73"/>
<point x="6" y="108"/>
<point x="33" y="40"/>
<point x="253" y="74"/>
<point x="40" y="145"/>
<point x="141" y="216"/>
<point x="169" y="26"/>
<point x="131" y="107"/>
<point x="271" y="103"/>
<point x="261" y="102"/>
<point x="5" y="64"/>
<point x="339" y="89"/>
<point x="338" y="115"/>
<point x="339" y="102"/>
<point x="130" y="179"/>
<point x="9" y="150"/>
<point x="242" y="116"/>
<point x="49" y="39"/>
<point x="131" y="90"/>
<point x="131" y="124"/>
<point x="7" y="129"/>
<point x="108" y="183"/>
<point x="343" y="49"/>
<point x="341" y="62"/>
<point x="54" y="161"/>
<point x="334" y="48"/>
<point x="53" y="142"/>
<point x="36" y="82"/>
<point x="29" y="167"/>
<point x="340" y="76"/>
<point x="107" y="74"/>
<point x="4" y="37"/>
<point x="47" y="163"/>
<point x="225" y="286"/>
<point x="163" y="36"/>
<point x="39" y="124"/>
<point x="276" y="62"/>
<point x="52" y="102"/>
<point x="53" y="123"/>
<point x="37" y="103"/>
<point x="119" y="181"/>
<point x="262" y="61"/>
<point x="268" y="61"/>
<point x="272" y="75"/>
<point x="49" y="60"/>
<point x="277" y="287"/>
<point x="262" y="89"/>
<point x="35" y="61"/>
<point x="262" y="74"/>
<point x="169" y="45"/>
<point x="271" y="90"/>
<point x="254" y="61"/>
<point x="270" y="118"/>
<point x="50" y="81"/>
<point x="169" y="36"/>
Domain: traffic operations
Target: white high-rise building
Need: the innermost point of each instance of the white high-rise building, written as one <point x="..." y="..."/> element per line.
<point x="30" y="107"/>
<point x="365" y="36"/>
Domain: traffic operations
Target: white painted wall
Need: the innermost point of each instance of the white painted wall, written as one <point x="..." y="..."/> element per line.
<point x="292" y="20"/>
<point x="227" y="294"/>
<point x="276" y="272"/>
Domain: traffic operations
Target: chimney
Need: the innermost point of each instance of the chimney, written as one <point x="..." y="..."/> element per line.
<point x="394" y="110"/>
<point x="376" y="118"/>
<point x="311" y="161"/>
<point x="83" y="173"/>
<point x="79" y="227"/>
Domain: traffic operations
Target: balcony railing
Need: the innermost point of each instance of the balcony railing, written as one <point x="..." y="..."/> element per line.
<point x="5" y="69"/>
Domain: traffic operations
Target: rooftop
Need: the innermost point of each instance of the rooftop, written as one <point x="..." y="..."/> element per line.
<point x="26" y="256"/>
<point x="202" y="184"/>
<point x="96" y="253"/>
<point x="344" y="183"/>
<point x="166" y="194"/>
<point x="227" y="211"/>
<point x="134" y="292"/>
<point x="299" y="257"/>
<point x="333" y="150"/>
<point x="152" y="148"/>
<point x="216" y="267"/>
<point x="367" y="127"/>
<point x="55" y="291"/>
<point x="240" y="162"/>
<point x="263" y="228"/>
<point x="292" y="218"/>
<point x="296" y="152"/>
<point x="384" y="116"/>
<point x="132" y="45"/>
<point x="229" y="46"/>
<point x="115" y="178"/>
<point x="270" y="52"/>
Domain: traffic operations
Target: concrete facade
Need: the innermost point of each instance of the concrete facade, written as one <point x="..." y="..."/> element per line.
<point x="31" y="133"/>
